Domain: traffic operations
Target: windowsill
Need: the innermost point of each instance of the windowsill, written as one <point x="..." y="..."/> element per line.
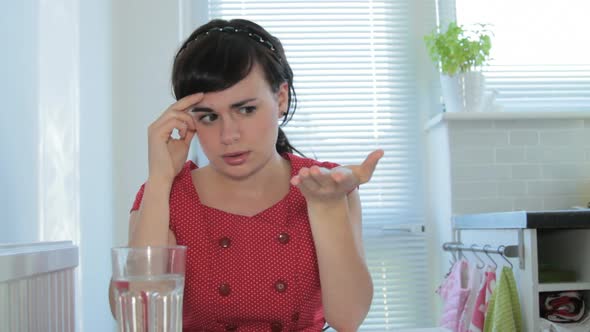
<point x="461" y="116"/>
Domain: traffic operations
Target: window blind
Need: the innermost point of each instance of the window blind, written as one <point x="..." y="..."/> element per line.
<point x="355" y="78"/>
<point x="540" y="52"/>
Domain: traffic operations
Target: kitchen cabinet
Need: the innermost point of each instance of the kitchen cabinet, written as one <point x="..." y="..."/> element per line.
<point x="555" y="240"/>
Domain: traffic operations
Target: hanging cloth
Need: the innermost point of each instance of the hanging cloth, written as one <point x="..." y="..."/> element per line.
<point x="454" y="292"/>
<point x="475" y="280"/>
<point x="481" y="302"/>
<point x="503" y="312"/>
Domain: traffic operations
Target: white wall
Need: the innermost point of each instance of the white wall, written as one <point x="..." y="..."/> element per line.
<point x="145" y="37"/>
<point x="439" y="206"/>
<point x="18" y="122"/>
<point x="56" y="137"/>
<point x="96" y="163"/>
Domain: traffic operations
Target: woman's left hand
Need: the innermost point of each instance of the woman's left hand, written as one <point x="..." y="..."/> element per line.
<point x="325" y="185"/>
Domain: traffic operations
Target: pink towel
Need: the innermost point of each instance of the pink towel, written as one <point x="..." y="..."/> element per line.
<point x="475" y="280"/>
<point x="481" y="302"/>
<point x="454" y="292"/>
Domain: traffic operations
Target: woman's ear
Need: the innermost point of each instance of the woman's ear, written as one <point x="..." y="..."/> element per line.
<point x="283" y="99"/>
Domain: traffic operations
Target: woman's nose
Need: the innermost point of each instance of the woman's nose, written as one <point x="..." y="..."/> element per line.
<point x="230" y="132"/>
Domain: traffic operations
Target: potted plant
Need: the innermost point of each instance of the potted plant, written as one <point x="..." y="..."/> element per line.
<point x="460" y="54"/>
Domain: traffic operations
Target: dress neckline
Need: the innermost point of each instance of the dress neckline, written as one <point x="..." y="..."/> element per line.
<point x="261" y="214"/>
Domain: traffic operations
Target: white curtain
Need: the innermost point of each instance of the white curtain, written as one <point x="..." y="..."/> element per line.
<point x="356" y="81"/>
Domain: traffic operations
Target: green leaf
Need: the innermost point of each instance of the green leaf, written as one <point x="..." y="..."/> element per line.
<point x="459" y="50"/>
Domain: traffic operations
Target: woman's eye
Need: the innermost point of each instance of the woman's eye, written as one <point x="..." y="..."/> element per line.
<point x="208" y="118"/>
<point x="247" y="109"/>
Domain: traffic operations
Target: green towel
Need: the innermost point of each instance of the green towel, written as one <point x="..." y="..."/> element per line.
<point x="503" y="312"/>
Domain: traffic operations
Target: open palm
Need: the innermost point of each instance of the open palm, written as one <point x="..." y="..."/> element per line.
<point x="323" y="184"/>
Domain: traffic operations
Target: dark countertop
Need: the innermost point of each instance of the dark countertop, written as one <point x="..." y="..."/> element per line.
<point x="524" y="219"/>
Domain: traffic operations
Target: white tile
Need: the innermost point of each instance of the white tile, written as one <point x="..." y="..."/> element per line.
<point x="526" y="138"/>
<point x="557" y="187"/>
<point x="526" y="172"/>
<point x="585" y="137"/>
<point x="478" y="139"/>
<point x="552" y="154"/>
<point x="510" y="155"/>
<point x="511" y="188"/>
<point x="545" y="187"/>
<point x="471" y="124"/>
<point x="481" y="172"/>
<point x="562" y="137"/>
<point x="466" y="156"/>
<point x="539" y="124"/>
<point x="463" y="206"/>
<point x="571" y="171"/>
<point x="528" y="203"/>
<point x="474" y="189"/>
<point x="565" y="202"/>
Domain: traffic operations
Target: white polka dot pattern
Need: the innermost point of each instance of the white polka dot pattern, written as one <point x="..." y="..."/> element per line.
<point x="255" y="273"/>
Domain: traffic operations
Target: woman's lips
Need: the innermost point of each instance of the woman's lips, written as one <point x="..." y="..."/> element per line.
<point x="236" y="159"/>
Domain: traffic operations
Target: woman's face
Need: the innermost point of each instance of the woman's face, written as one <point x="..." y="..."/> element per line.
<point x="238" y="127"/>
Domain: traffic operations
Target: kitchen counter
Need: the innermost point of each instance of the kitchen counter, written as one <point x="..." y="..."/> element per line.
<point x="524" y="219"/>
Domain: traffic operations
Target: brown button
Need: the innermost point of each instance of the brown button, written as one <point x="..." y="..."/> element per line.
<point x="224" y="289"/>
<point x="276" y="327"/>
<point x="284" y="238"/>
<point x="225" y="242"/>
<point x="280" y="286"/>
<point x="295" y="317"/>
<point x="231" y="327"/>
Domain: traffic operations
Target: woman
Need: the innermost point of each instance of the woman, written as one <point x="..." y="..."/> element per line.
<point x="274" y="240"/>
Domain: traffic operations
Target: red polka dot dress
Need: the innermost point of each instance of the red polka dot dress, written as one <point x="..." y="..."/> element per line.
<point x="256" y="273"/>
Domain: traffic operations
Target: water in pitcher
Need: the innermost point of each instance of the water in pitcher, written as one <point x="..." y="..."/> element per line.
<point x="150" y="303"/>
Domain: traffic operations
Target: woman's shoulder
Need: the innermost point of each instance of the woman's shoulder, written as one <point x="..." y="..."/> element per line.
<point x="184" y="174"/>
<point x="298" y="162"/>
<point x="187" y="168"/>
<point x="178" y="183"/>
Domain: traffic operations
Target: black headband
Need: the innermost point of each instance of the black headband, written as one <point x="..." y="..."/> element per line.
<point x="230" y="29"/>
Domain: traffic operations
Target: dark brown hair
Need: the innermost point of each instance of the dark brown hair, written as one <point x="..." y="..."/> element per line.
<point x="221" y="53"/>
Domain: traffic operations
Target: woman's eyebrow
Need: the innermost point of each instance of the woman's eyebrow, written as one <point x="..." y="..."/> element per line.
<point x="242" y="103"/>
<point x="201" y="109"/>
<point x="234" y="105"/>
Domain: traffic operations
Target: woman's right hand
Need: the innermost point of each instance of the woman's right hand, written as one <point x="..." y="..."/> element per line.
<point x="167" y="155"/>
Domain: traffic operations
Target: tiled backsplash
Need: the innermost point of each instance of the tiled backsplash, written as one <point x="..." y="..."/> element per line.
<point x="493" y="162"/>
<point x="518" y="164"/>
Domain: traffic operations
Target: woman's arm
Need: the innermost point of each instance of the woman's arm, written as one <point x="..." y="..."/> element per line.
<point x="347" y="288"/>
<point x="334" y="211"/>
<point x="150" y="224"/>
<point x="166" y="157"/>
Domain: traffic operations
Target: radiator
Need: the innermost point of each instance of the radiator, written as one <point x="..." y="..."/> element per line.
<point x="37" y="287"/>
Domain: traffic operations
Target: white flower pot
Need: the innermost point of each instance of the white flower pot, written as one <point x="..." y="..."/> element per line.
<point x="463" y="92"/>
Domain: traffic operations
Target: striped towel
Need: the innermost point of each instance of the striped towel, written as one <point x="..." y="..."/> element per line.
<point x="503" y="312"/>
